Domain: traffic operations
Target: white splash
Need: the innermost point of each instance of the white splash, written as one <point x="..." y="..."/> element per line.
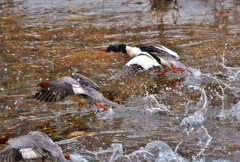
<point x="77" y="158"/>
<point x="233" y="113"/>
<point x="155" y="151"/>
<point x="199" y="116"/>
<point x="232" y="72"/>
<point x="153" y="105"/>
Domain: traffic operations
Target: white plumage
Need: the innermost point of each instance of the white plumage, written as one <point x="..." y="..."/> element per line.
<point x="28" y="153"/>
<point x="145" y="60"/>
<point x="168" y="51"/>
<point x="77" y="89"/>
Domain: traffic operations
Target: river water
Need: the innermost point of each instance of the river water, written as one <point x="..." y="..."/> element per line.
<point x="171" y="117"/>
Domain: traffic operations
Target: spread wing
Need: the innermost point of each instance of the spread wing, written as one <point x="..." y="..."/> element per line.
<point x="60" y="89"/>
<point x="23" y="147"/>
<point x="160" y="51"/>
<point x="10" y="155"/>
<point x="141" y="62"/>
<point x="127" y="71"/>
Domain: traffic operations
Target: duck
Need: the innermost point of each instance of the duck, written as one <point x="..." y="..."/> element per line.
<point x="75" y="87"/>
<point x="32" y="146"/>
<point x="146" y="57"/>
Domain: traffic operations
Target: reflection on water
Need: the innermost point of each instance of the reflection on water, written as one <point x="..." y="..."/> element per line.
<point x="196" y="115"/>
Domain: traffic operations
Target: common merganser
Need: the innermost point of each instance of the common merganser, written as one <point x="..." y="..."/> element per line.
<point x="146" y="57"/>
<point x="31" y="146"/>
<point x="78" y="87"/>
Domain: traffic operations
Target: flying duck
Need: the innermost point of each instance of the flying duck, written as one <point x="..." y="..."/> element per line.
<point x="77" y="88"/>
<point x="146" y="57"/>
<point x="31" y="146"/>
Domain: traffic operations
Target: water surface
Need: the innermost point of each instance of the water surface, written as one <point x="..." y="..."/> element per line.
<point x="194" y="116"/>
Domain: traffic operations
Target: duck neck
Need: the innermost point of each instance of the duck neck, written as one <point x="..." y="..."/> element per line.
<point x="43" y="84"/>
<point x="133" y="51"/>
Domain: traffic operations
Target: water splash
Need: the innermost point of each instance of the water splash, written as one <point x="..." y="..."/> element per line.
<point x="153" y="105"/>
<point x="204" y="140"/>
<point x="232" y="72"/>
<point x="222" y="96"/>
<point x="194" y="125"/>
<point x="196" y="77"/>
<point x="155" y="151"/>
<point x="101" y="114"/>
<point x="111" y="154"/>
<point x="77" y="158"/>
<point x="199" y="116"/>
<point x="233" y="113"/>
<point x="117" y="152"/>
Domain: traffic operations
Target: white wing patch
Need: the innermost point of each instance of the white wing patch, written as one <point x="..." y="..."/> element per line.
<point x="168" y="51"/>
<point x="28" y="153"/>
<point x="77" y="89"/>
<point x="145" y="60"/>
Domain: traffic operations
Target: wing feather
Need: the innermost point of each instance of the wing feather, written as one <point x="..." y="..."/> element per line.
<point x="10" y="155"/>
<point x="141" y="62"/>
<point x="84" y="81"/>
<point x="160" y="51"/>
<point x="127" y="71"/>
<point x="59" y="90"/>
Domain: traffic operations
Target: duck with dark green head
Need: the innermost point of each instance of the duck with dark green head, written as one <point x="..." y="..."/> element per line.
<point x="146" y="57"/>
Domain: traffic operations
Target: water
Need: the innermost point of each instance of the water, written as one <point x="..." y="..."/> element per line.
<point x="171" y="117"/>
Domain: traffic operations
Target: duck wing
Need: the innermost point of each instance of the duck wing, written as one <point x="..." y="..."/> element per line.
<point x="45" y="143"/>
<point x="141" y="62"/>
<point x="10" y="154"/>
<point x="160" y="51"/>
<point x="166" y="60"/>
<point x="84" y="81"/>
<point x="22" y="147"/>
<point x="126" y="71"/>
<point x="60" y="89"/>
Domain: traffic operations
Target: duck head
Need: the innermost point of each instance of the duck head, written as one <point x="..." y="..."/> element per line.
<point x="116" y="48"/>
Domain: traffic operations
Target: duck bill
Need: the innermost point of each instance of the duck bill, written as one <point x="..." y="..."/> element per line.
<point x="34" y="85"/>
<point x="103" y="49"/>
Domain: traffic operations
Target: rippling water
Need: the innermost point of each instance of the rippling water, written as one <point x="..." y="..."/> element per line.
<point x="172" y="117"/>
